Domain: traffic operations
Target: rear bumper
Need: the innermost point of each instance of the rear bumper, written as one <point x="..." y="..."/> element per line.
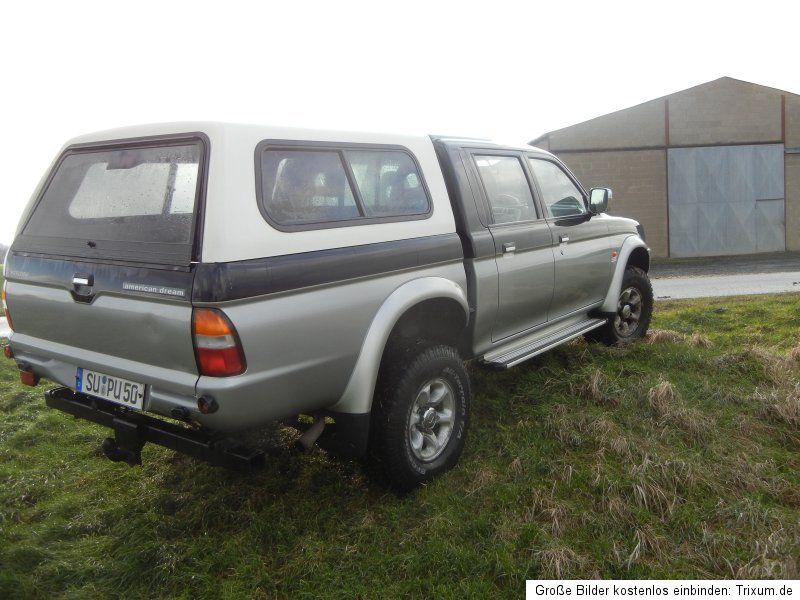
<point x="245" y="401"/>
<point x="168" y="388"/>
<point x="132" y="430"/>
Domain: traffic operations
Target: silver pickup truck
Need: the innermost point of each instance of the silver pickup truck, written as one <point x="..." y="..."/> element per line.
<point x="227" y="276"/>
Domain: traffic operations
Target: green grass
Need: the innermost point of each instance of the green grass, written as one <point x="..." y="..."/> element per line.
<point x="667" y="459"/>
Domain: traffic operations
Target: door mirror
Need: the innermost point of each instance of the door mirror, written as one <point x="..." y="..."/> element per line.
<point x="598" y="200"/>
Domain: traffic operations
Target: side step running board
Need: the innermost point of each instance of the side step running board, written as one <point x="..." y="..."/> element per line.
<point x="505" y="358"/>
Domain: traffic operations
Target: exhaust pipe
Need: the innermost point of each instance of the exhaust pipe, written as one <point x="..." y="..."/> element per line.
<point x="310" y="435"/>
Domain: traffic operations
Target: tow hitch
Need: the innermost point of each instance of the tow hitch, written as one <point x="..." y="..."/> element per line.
<point x="133" y="429"/>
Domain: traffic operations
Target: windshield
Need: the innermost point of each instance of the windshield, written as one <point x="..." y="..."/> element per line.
<point x="134" y="202"/>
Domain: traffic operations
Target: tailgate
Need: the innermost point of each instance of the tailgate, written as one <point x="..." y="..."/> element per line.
<point x="131" y="322"/>
<point x="100" y="274"/>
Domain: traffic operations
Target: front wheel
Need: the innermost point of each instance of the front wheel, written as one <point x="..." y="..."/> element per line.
<point x="420" y="415"/>
<point x="634" y="310"/>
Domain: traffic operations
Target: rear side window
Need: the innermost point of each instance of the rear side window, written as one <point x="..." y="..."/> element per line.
<point x="306" y="186"/>
<point x="323" y="187"/>
<point x="507" y="188"/>
<point x="388" y="182"/>
<point x="135" y="202"/>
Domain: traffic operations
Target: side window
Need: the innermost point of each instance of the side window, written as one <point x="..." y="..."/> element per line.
<point x="388" y="182"/>
<point x="506" y="188"/>
<point x="306" y="186"/>
<point x="560" y="195"/>
<point x="312" y="187"/>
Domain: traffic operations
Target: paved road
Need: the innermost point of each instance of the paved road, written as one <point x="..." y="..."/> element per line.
<point x="773" y="262"/>
<point x="725" y="285"/>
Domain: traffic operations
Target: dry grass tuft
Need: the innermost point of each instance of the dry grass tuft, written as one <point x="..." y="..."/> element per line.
<point x="543" y="508"/>
<point x="482" y="479"/>
<point x="774" y="558"/>
<point x="781" y="405"/>
<point x="660" y="397"/>
<point x="571" y="429"/>
<point x="784" y="408"/>
<point x="777" y="368"/>
<point x="747" y="511"/>
<point x="597" y="389"/>
<point x="698" y="340"/>
<point x="559" y="561"/>
<point x="663" y="336"/>
<point x="661" y="485"/>
<point x="646" y="543"/>
<point x="692" y="422"/>
<point x="794" y="354"/>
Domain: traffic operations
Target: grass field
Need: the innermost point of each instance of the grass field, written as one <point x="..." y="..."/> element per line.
<point x="674" y="458"/>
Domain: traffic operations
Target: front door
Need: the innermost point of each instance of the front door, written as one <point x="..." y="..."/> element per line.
<point x="580" y="241"/>
<point x="523" y="244"/>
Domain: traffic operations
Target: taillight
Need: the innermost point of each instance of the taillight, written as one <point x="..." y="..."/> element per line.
<point x="5" y="306"/>
<point x="216" y="344"/>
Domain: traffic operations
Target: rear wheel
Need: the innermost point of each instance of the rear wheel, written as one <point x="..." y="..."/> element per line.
<point x="634" y="310"/>
<point x="420" y="415"/>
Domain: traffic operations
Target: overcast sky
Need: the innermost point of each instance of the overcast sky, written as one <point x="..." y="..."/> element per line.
<point x="506" y="70"/>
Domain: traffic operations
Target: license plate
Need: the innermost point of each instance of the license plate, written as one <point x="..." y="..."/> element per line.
<point x="124" y="392"/>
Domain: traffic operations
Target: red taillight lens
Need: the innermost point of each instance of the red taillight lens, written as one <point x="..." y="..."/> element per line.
<point x="216" y="344"/>
<point x="28" y="378"/>
<point x="5" y="305"/>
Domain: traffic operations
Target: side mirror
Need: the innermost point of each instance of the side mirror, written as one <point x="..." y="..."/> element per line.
<point x="598" y="200"/>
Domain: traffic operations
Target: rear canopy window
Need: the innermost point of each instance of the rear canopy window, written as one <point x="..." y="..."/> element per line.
<point x="122" y="203"/>
<point x="315" y="187"/>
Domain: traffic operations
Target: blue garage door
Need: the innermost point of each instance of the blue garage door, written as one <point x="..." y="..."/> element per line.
<point x="726" y="200"/>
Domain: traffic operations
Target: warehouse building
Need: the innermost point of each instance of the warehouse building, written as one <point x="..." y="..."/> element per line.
<point x="711" y="170"/>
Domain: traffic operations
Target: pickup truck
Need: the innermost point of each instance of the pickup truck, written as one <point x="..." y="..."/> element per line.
<point x="228" y="276"/>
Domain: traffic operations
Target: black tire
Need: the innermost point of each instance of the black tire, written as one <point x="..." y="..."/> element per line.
<point x="405" y="372"/>
<point x="610" y="334"/>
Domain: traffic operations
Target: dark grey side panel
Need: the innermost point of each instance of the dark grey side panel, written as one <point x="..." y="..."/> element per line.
<point x="221" y="282"/>
<point x="106" y="277"/>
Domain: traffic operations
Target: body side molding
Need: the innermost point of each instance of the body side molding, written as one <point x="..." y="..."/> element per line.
<point x="357" y="396"/>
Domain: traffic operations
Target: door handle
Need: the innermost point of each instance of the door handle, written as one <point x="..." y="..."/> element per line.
<point x="563" y="239"/>
<point x="509" y="247"/>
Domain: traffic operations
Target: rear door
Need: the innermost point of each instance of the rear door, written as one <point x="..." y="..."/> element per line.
<point x="580" y="242"/>
<point x="523" y="244"/>
<point x="102" y="269"/>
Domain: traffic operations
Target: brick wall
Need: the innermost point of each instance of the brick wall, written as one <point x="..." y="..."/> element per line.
<point x="792" y="175"/>
<point x="725" y="111"/>
<point x="639" y="181"/>
<point x="641" y="125"/>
